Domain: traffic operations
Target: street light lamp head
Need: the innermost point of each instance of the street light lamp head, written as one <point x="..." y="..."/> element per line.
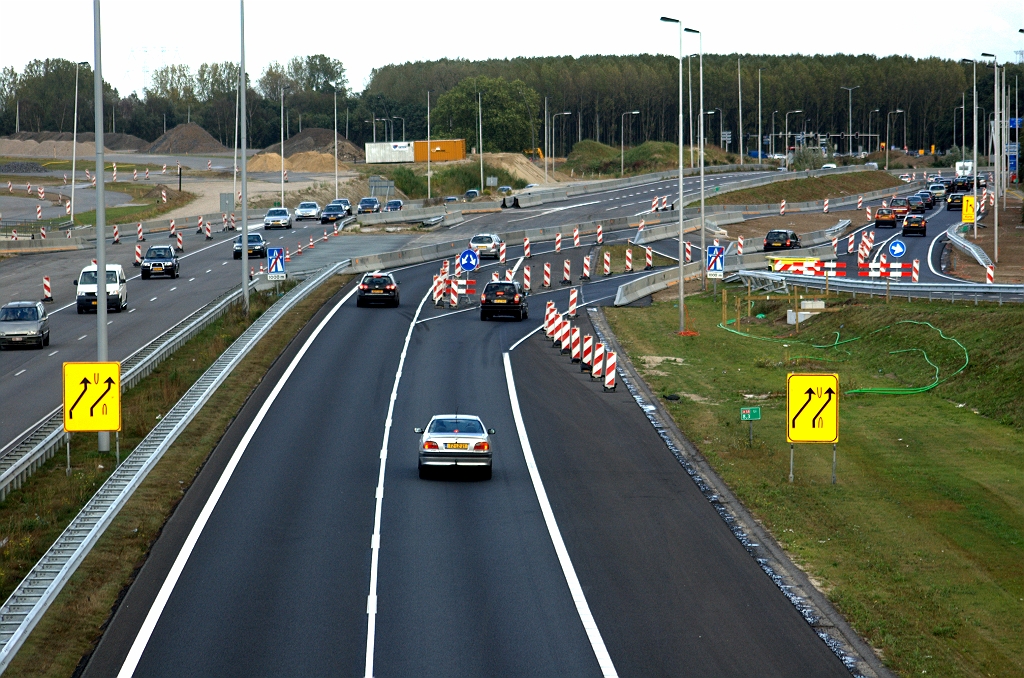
<point x="634" y="112"/>
<point x="691" y="30"/>
<point x="986" y="54"/>
<point x="670" y="19"/>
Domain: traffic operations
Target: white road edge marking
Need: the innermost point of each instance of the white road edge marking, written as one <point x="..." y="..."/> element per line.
<point x="604" y="660"/>
<point x="131" y="662"/>
<point x="371" y="599"/>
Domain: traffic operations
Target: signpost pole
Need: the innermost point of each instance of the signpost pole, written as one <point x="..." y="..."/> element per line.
<point x="791" y="462"/>
<point x="833" y="463"/>
<point x="751" y="432"/>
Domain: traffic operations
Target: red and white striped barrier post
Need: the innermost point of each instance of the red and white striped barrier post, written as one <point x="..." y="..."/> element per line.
<point x="164" y="171"/>
<point x="445" y="267"/>
<point x="181" y="243"/>
<point x="547" y="274"/>
<point x="14" y="234"/>
<point x="990" y="274"/>
<point x="286" y="176"/>
<point x="10" y="187"/>
<point x="586" y="268"/>
<point x="163" y="195"/>
<point x="574" y="344"/>
<point x="138" y="255"/>
<point x="501" y="253"/>
<point x="526" y="278"/>
<point x="835" y="245"/>
<point x="587" y="356"/>
<point x="138" y="231"/>
<point x="915" y="272"/>
<point x="42" y="232"/>
<point x="991" y="199"/>
<point x="433" y="289"/>
<point x="135" y="175"/>
<point x="689" y="254"/>
<point x="199" y="225"/>
<point x="716" y="242"/>
<point x="458" y="268"/>
<point x="209" y="235"/>
<point x="223" y="221"/>
<point x="311" y="245"/>
<point x="566" y="272"/>
<point x="600" y="234"/>
<point x="558" y="242"/>
<point x="566" y="336"/>
<point x="494" y="276"/>
<point x="28" y="188"/>
<point x="639" y="230"/>
<point x="508" y="275"/>
<point x="174" y="230"/>
<point x="883" y="260"/>
<point x="573" y="297"/>
<point x="42" y="193"/>
<point x="114" y="178"/>
<point x="664" y="202"/>
<point x="549" y="318"/>
<point x="597" y="367"/>
<point x="67" y="207"/>
<point x="739" y="246"/>
<point x="252" y="272"/>
<point x="607" y="263"/>
<point x="454" y="294"/>
<point x="147" y="174"/>
<point x="117" y="236"/>
<point x="209" y="164"/>
<point x="654" y="204"/>
<point x="69" y="233"/>
<point x="850" y="242"/>
<point x="782" y="208"/>
<point x="94" y="182"/>
<point x="232" y="221"/>
<point x="648" y="258"/>
<point x="575" y="236"/>
<point x="526" y="248"/>
<point x="609" y="371"/>
<point x="826" y="206"/>
<point x="39" y="212"/>
<point x="287" y="254"/>
<point x="47" y="292"/>
<point x="629" y="260"/>
<point x="860" y="202"/>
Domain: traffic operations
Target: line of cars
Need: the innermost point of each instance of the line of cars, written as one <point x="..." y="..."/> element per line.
<point x="908" y="211"/>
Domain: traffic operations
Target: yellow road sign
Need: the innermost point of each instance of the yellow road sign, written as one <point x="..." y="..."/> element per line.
<point x="967" y="210"/>
<point x="812" y="408"/>
<point x="92" y="396"/>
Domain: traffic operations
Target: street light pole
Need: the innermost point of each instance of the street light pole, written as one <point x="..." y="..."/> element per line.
<point x="553" y="137"/>
<point x="428" y="143"/>
<point x="772" y="140"/>
<point x="335" y="142"/>
<point x="997" y="148"/>
<point x="242" y="82"/>
<point x="234" y="150"/>
<point x="245" y="244"/>
<point x="480" y="135"/>
<point x="74" y="143"/>
<point x="888" y="124"/>
<point x="739" y="121"/>
<point x="103" y="440"/>
<point x="679" y="203"/>
<point x="786" y="149"/>
<point x="689" y="82"/>
<point x="870" y="113"/>
<point x="398" y="117"/>
<point x="760" y="138"/>
<point x="721" y="127"/>
<point x="622" y="140"/>
<point x="849" y="144"/>
<point x="974" y="179"/>
<point x="547" y="151"/>
<point x="703" y="268"/>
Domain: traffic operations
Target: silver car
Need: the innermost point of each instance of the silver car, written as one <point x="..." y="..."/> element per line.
<point x="937" y="190"/>
<point x="24" y="323"/>
<point x="486" y="245"/>
<point x="454" y="440"/>
<point x="307" y="210"/>
<point x="277" y="217"/>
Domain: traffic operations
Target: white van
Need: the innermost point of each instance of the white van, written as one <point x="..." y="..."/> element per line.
<point x="117" y="288"/>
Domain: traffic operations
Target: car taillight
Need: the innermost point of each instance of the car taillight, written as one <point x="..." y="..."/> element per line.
<point x="364" y="286"/>
<point x="766" y="242"/>
<point x="390" y="287"/>
<point x="788" y="241"/>
<point x="430" y="445"/>
<point x="482" y="446"/>
<point x="483" y="298"/>
<point x="515" y="299"/>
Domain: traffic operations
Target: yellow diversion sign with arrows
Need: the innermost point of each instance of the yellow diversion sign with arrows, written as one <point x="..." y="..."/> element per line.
<point x="92" y="396"/>
<point x="812" y="408"/>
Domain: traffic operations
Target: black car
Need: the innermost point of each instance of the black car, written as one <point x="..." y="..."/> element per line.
<point x="378" y="288"/>
<point x="955" y="201"/>
<point x="915" y="224"/>
<point x="928" y="198"/>
<point x="161" y="260"/>
<point x="915" y="204"/>
<point x="504" y="298"/>
<point x="332" y="213"/>
<point x="257" y="246"/>
<point x="781" y="240"/>
<point x="368" y="205"/>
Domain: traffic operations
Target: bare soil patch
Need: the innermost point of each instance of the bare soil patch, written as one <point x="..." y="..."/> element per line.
<point x="189" y="138"/>
<point x="1010" y="268"/>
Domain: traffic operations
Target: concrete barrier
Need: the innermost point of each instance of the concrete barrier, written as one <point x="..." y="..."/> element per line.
<point x="411" y="215"/>
<point x="809" y="206"/>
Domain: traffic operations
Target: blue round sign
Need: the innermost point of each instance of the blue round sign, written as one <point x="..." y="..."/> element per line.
<point x="469" y="260"/>
<point x="897" y="248"/>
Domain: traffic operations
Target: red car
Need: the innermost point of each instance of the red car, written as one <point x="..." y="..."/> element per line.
<point x="900" y="207"/>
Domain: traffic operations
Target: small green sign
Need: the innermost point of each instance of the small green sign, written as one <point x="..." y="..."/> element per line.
<point x="750" y="414"/>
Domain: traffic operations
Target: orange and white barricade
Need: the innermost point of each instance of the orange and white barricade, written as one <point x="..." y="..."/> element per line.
<point x="573" y="300"/>
<point x="574" y="344"/>
<point x="566" y="272"/>
<point x="609" y="371"/>
<point x="587" y="356"/>
<point x="597" y="367"/>
<point x="607" y="263"/>
<point x="558" y="242"/>
<point x="547" y="274"/>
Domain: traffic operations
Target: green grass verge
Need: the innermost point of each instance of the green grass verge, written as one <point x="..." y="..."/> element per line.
<point x="33" y="516"/>
<point x="590" y="157"/>
<point x="147" y="204"/>
<point x="815" y="188"/>
<point x="920" y="543"/>
<point x="448" y="180"/>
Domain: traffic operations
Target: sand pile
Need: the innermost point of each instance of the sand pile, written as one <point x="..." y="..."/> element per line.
<point x="319" y="140"/>
<point x="189" y="138"/>
<point x="47" y="149"/>
<point x="516" y="164"/>
<point x="113" y="142"/>
<point x="265" y="162"/>
<point x="307" y="161"/>
<point x="155" y="195"/>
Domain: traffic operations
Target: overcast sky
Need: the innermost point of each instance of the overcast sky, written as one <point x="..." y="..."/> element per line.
<point x="140" y="36"/>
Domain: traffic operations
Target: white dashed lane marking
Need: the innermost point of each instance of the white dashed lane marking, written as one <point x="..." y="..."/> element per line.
<point x="83" y="337"/>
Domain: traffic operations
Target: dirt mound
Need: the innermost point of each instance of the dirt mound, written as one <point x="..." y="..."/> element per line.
<point x="155" y="194"/>
<point x="46" y="149"/>
<point x="516" y="164"/>
<point x="307" y="161"/>
<point x="189" y="138"/>
<point x="265" y="162"/>
<point x="112" y="142"/>
<point x="319" y="140"/>
<point x="21" y="168"/>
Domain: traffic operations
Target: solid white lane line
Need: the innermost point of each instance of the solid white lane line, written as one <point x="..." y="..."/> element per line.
<point x="131" y="662"/>
<point x="371" y="600"/>
<point x="931" y="266"/>
<point x="19" y="373"/>
<point x="208" y="270"/>
<point x="604" y="660"/>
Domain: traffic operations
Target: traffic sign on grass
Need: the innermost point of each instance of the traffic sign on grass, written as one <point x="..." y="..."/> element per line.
<point x="92" y="396"/>
<point x="812" y="408"/>
<point x="716" y="262"/>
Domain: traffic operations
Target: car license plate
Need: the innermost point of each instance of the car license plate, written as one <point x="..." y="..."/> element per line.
<point x="158" y="268"/>
<point x="456" y="446"/>
<point x="15" y="338"/>
<point x="500" y="301"/>
<point x="376" y="291"/>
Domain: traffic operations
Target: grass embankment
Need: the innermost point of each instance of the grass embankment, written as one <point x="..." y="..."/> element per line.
<point x="147" y="203"/>
<point x="453" y="179"/>
<point x="34" y="516"/>
<point x="920" y="543"/>
<point x="592" y="158"/>
<point x="814" y="188"/>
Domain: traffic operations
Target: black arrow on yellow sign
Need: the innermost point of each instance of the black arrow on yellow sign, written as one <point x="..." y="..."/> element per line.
<point x="109" y="382"/>
<point x="829" y="392"/>
<point x="85" y="387"/>
<point x="810" y="394"/>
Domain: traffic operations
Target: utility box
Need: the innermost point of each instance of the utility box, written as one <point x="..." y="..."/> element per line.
<point x="441" y="150"/>
<point x="227" y="203"/>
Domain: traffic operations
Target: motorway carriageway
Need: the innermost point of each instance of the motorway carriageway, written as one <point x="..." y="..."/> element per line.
<point x="308" y="545"/>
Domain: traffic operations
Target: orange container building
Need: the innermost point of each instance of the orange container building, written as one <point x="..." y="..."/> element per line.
<point x="441" y="150"/>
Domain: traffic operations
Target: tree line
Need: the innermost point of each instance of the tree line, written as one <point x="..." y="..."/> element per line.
<point x="590" y="94"/>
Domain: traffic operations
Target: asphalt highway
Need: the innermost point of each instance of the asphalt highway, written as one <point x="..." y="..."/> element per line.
<point x="308" y="545"/>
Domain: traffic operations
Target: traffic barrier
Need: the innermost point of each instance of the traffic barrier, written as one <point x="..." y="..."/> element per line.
<point x="209" y="235"/>
<point x="135" y="175"/>
<point x="883" y="260"/>
<point x="558" y="242"/>
<point x="223" y="221"/>
<point x="565" y="336"/>
<point x="164" y="170"/>
<point x="587" y="356"/>
<point x="607" y="263"/>
<point x="14" y="234"/>
<point x="10" y="187"/>
<point x="654" y="204"/>
<point x="311" y="245"/>
<point x="147" y="174"/>
<point x="573" y="296"/>
<point x="445" y="267"/>
<point x="173" y="230"/>
<point x="835" y="245"/>
<point x="181" y="243"/>
<point x="47" y="292"/>
<point x="550" y="314"/>
<point x="639" y="230"/>
<point x="586" y="268"/>
<point x="782" y="208"/>
<point x="600" y="234"/>
<point x="648" y="258"/>
<point x="199" y="225"/>
<point x="597" y="367"/>
<point x="232" y="221"/>
<point x="494" y="276"/>
<point x="860" y="201"/>
<point x="42" y="232"/>
<point x="826" y="206"/>
<point x="209" y="164"/>
<point x="990" y="274"/>
<point x="69" y="233"/>
<point x="42" y="193"/>
<point x="575" y="236"/>
<point x="689" y="255"/>
<point x="138" y="254"/>
<point x="458" y="268"/>
<point x="94" y="182"/>
<point x="629" y="260"/>
<point x="67" y="207"/>
<point x="163" y="195"/>
<point x="815" y="267"/>
<point x="286" y="176"/>
<point x="609" y="371"/>
<point x="716" y="242"/>
<point x="664" y="202"/>
<point x="574" y="344"/>
<point x="880" y="270"/>
<point x="117" y="235"/>
<point x="508" y="275"/>
<point x="39" y="212"/>
<point x="287" y="255"/>
<point x="252" y="272"/>
<point x="138" y="231"/>
<point x="739" y="246"/>
<point x="28" y="188"/>
<point x="526" y="248"/>
<point x="114" y="179"/>
<point x="526" y="278"/>
<point x="916" y="271"/>
<point x="547" y="274"/>
<point x="566" y="273"/>
<point x="453" y="293"/>
<point x="501" y="253"/>
<point x="849" y="243"/>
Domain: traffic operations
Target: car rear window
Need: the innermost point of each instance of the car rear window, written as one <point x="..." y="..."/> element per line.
<point x="899" y="202"/>
<point x="776" y="235"/>
<point x="456" y="426"/>
<point x="883" y="212"/>
<point x="481" y="240"/>
<point x="506" y="289"/>
<point x="378" y="280"/>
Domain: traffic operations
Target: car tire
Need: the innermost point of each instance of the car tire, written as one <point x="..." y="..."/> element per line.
<point x="80" y="310"/>
<point x="423" y="471"/>
<point x="359" y="302"/>
<point x="145" y="275"/>
<point x="484" y="316"/>
<point x="46" y="339"/>
<point x="486" y="473"/>
<point x="519" y="317"/>
<point x="526" y="314"/>
<point x="237" y="256"/>
<point x="396" y="302"/>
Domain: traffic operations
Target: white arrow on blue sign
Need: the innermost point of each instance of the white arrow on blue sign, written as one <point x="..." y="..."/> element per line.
<point x="897" y="248"/>
<point x="469" y="260"/>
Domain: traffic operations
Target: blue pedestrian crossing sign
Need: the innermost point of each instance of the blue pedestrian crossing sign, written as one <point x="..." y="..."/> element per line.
<point x="275" y="260"/>
<point x="469" y="260"/>
<point x="716" y="261"/>
<point x="897" y="248"/>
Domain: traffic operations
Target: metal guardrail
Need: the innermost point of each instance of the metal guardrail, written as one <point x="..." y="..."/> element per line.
<point x="966" y="246"/>
<point x="33" y="596"/>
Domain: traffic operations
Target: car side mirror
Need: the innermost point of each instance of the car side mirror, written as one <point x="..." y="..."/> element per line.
<point x="417" y="430"/>
<point x="491" y="431"/>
